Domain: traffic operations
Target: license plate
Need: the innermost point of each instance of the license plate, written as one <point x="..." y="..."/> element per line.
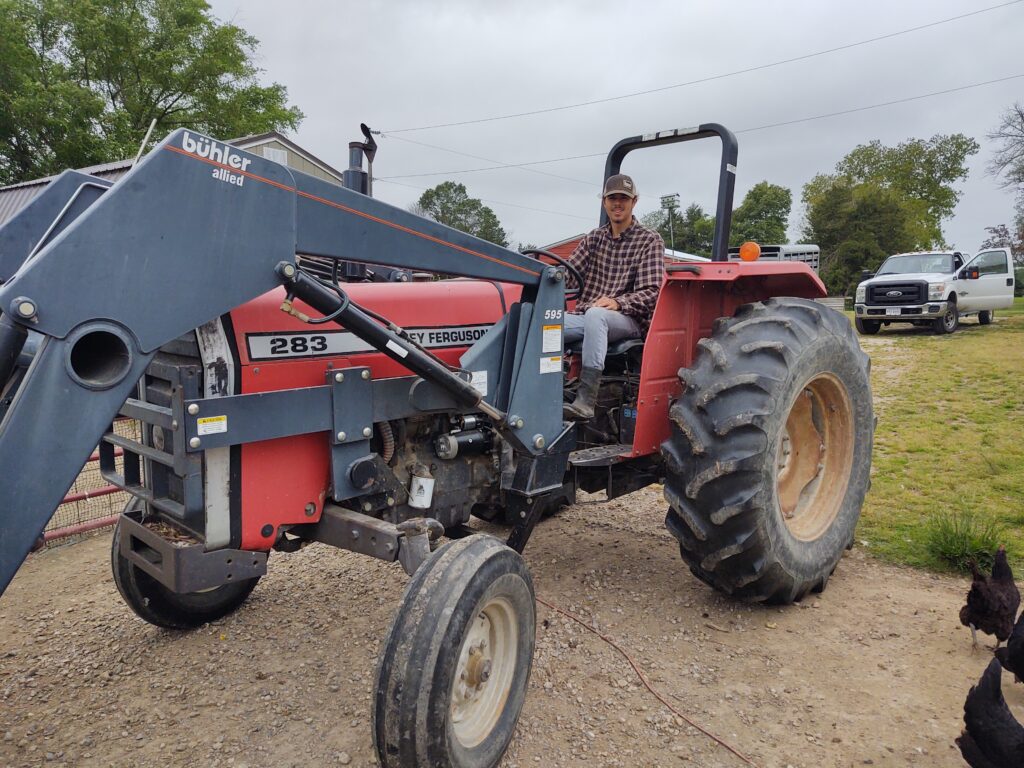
<point x="893" y="311"/>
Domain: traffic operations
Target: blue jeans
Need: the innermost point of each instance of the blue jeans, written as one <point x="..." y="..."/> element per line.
<point x="598" y="327"/>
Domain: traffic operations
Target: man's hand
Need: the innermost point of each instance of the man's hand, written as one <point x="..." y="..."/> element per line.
<point x="606" y="302"/>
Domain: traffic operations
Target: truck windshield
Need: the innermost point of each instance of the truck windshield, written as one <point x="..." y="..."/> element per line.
<point x="917" y="262"/>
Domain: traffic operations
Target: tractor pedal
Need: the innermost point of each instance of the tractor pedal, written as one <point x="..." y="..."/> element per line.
<point x="601" y="456"/>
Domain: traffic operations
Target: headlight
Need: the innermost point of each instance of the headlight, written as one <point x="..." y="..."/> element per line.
<point x="861" y="294"/>
<point x="936" y="291"/>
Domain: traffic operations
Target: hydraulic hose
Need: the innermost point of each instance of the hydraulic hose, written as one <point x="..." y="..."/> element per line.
<point x="336" y="304"/>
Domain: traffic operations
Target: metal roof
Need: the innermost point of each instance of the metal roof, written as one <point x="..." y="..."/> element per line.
<point x="17" y="196"/>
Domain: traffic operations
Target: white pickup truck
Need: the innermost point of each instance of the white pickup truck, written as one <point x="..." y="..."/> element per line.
<point x="935" y="289"/>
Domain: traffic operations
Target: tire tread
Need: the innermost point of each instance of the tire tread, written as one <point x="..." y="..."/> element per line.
<point x="717" y="454"/>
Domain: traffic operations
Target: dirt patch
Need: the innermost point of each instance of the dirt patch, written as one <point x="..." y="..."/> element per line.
<point x="890" y="364"/>
<point x="872" y="672"/>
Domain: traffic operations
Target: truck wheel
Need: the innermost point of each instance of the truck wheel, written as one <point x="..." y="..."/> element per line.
<point x="985" y="316"/>
<point x="454" y="667"/>
<point x="949" y="322"/>
<point x="867" y="327"/>
<point x="770" y="452"/>
<point x="152" y="601"/>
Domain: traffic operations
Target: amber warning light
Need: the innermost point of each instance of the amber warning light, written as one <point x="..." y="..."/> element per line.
<point x="750" y="251"/>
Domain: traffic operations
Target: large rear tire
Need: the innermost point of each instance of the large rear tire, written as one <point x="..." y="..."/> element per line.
<point x="158" y="605"/>
<point x="454" y="668"/>
<point x="770" y="453"/>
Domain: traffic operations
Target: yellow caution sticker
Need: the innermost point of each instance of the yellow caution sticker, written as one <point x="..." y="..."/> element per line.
<point x="211" y="425"/>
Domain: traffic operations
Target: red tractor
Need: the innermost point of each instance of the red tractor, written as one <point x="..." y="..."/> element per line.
<point x="278" y="405"/>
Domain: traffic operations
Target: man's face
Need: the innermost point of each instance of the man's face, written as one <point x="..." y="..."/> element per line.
<point x="619" y="208"/>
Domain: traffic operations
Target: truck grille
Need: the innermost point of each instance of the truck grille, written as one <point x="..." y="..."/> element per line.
<point x="909" y="293"/>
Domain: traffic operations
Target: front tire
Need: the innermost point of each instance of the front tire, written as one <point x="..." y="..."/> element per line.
<point x="770" y="452"/>
<point x="454" y="668"/>
<point x="985" y="316"/>
<point x="867" y="327"/>
<point x="152" y="601"/>
<point x="949" y="322"/>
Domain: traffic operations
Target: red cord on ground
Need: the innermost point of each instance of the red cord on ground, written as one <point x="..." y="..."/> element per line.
<point x="647" y="685"/>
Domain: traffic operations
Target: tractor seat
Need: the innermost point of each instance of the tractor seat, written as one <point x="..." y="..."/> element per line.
<point x="620" y="353"/>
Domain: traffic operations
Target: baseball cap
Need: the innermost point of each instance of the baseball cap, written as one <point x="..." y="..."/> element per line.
<point x="619" y="184"/>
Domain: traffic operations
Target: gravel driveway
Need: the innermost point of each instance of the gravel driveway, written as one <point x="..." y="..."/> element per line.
<point x="871" y="672"/>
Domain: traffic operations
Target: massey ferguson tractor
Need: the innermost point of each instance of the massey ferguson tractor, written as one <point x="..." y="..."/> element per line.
<point x="201" y="296"/>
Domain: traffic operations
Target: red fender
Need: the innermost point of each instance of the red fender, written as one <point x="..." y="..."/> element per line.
<point x="688" y="305"/>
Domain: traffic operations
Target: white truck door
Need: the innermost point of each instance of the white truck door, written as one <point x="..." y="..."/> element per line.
<point x="994" y="287"/>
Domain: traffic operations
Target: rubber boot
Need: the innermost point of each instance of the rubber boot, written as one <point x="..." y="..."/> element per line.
<point x="582" y="408"/>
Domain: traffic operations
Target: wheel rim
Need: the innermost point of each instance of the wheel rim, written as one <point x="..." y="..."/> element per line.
<point x="483" y="678"/>
<point x="950" y="318"/>
<point x="815" y="456"/>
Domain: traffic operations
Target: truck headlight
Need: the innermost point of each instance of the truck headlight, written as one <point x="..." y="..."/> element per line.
<point x="861" y="294"/>
<point x="936" y="291"/>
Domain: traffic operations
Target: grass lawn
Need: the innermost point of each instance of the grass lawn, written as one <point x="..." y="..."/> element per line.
<point x="950" y="436"/>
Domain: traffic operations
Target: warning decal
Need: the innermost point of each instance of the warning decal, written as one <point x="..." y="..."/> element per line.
<point x="551" y="339"/>
<point x="211" y="425"/>
<point x="551" y="364"/>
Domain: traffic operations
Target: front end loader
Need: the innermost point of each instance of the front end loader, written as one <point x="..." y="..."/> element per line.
<point x="210" y="296"/>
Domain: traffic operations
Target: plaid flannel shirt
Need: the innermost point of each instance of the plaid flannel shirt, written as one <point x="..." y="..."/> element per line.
<point x="629" y="269"/>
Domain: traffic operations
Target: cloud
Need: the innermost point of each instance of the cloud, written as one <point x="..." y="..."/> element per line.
<point x="407" y="64"/>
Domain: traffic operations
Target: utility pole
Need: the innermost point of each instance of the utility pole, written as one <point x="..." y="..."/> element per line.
<point x="670" y="203"/>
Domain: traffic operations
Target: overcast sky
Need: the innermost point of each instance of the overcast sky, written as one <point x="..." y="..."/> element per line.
<point x="402" y="64"/>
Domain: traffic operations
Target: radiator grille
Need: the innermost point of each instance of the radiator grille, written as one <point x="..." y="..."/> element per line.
<point x="885" y="294"/>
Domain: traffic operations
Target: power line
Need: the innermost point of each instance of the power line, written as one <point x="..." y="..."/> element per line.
<point x="742" y="130"/>
<point x="498" y="202"/>
<point x="709" y="78"/>
<point x="485" y="159"/>
<point x="491" y="167"/>
<point x="878" y="106"/>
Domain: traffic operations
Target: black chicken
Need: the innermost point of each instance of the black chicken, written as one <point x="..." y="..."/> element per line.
<point x="1012" y="656"/>
<point x="992" y="602"/>
<point x="992" y="737"/>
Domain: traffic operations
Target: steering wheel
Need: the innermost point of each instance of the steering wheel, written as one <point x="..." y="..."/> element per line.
<point x="576" y="274"/>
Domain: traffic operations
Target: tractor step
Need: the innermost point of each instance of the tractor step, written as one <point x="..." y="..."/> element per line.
<point x="601" y="456"/>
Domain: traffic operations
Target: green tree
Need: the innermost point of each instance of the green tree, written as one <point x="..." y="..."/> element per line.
<point x="81" y="80"/>
<point x="856" y="226"/>
<point x="698" y="231"/>
<point x="762" y="216"/>
<point x="47" y="121"/>
<point x="693" y="231"/>
<point x="450" y="204"/>
<point x="922" y="171"/>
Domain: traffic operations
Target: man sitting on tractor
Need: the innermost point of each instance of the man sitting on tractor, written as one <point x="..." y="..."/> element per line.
<point x="623" y="265"/>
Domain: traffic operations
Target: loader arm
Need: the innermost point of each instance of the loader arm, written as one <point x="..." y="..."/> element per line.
<point x="46" y="216"/>
<point x="194" y="230"/>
